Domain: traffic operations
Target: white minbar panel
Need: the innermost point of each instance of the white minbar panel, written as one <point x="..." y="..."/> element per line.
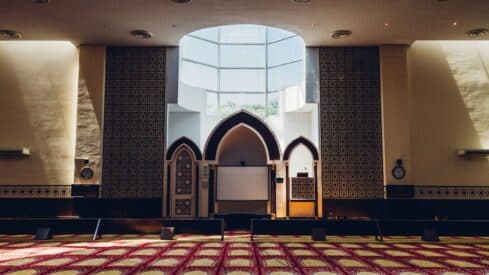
<point x="239" y="183"/>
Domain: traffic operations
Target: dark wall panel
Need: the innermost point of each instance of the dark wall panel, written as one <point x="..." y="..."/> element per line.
<point x="134" y="122"/>
<point x="351" y="129"/>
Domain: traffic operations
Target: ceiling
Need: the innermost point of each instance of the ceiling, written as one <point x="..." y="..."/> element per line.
<point x="108" y="22"/>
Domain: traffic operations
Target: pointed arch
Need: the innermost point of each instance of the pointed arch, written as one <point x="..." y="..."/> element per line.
<point x="305" y="142"/>
<point x="183" y="141"/>
<point x="242" y="144"/>
<point x="242" y="117"/>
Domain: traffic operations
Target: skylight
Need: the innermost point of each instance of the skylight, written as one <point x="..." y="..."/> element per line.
<point x="242" y="66"/>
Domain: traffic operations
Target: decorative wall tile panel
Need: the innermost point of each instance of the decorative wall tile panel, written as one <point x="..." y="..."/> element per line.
<point x="303" y="188"/>
<point x="350" y="114"/>
<point x="35" y="191"/>
<point x="452" y="192"/>
<point x="134" y="122"/>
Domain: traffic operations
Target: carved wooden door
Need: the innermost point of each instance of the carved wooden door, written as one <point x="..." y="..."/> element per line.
<point x="183" y="185"/>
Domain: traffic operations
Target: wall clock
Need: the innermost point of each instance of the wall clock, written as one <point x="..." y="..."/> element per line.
<point x="398" y="172"/>
<point x="86" y="173"/>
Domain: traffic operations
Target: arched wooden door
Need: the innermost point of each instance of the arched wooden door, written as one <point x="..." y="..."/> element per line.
<point x="183" y="184"/>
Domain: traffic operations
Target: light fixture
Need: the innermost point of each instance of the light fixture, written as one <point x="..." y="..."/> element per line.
<point x="42" y="1"/>
<point x="341" y="34"/>
<point x="301" y="1"/>
<point x="475" y="33"/>
<point x="10" y="34"/>
<point x="386" y="24"/>
<point x="141" y="34"/>
<point x="454" y="23"/>
<point x="181" y="1"/>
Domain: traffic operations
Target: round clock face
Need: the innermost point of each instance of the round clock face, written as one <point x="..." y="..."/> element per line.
<point x="86" y="173"/>
<point x="398" y="172"/>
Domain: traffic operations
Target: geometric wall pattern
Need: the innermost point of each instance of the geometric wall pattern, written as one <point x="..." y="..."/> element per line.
<point x="303" y="188"/>
<point x="451" y="192"/>
<point x="134" y="122"/>
<point x="35" y="191"/>
<point x="350" y="119"/>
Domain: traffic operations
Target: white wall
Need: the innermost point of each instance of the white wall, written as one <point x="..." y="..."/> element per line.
<point x="300" y="161"/>
<point x="183" y="124"/>
<point x="192" y="98"/>
<point x="289" y="126"/>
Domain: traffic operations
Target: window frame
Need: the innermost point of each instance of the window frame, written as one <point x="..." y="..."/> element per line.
<point x="219" y="91"/>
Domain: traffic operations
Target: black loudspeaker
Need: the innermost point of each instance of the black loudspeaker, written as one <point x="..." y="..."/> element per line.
<point x="430" y="235"/>
<point x="400" y="191"/>
<point x="85" y="190"/>
<point x="167" y="233"/>
<point x="43" y="233"/>
<point x="318" y="234"/>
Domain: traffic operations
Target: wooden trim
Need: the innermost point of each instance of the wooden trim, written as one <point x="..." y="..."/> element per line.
<point x="197" y="189"/>
<point x="211" y="191"/>
<point x="316" y="192"/>
<point x="168" y="189"/>
<point x="287" y="190"/>
<point x="273" y="188"/>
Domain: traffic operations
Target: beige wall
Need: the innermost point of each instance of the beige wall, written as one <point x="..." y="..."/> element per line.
<point x="395" y="112"/>
<point x="449" y="99"/>
<point x="434" y="101"/>
<point x="435" y="98"/>
<point x="91" y="82"/>
<point x="38" y="88"/>
<point x="92" y="76"/>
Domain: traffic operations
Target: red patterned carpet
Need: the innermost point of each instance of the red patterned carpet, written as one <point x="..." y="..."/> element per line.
<point x="144" y="254"/>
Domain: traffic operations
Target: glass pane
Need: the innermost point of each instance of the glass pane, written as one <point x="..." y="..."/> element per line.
<point x="242" y="56"/>
<point x="243" y="34"/>
<point x="199" y="50"/>
<point x="254" y="103"/>
<point x="275" y="34"/>
<point x="285" y="76"/>
<point x="285" y="51"/>
<point x="209" y="34"/>
<point x="273" y="103"/>
<point x="243" y="80"/>
<point x="212" y="104"/>
<point x="198" y="75"/>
